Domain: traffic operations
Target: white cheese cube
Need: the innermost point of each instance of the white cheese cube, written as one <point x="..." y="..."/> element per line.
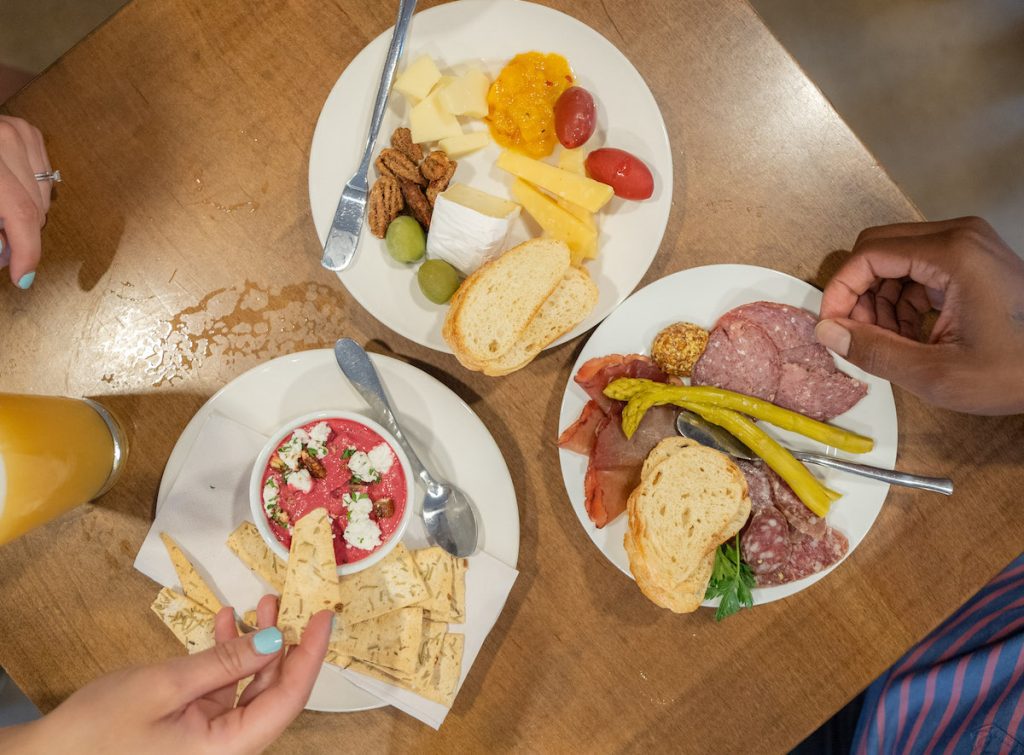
<point x="457" y="146"/>
<point x="429" y="122"/>
<point x="465" y="236"/>
<point x="418" y="78"/>
<point x="467" y="95"/>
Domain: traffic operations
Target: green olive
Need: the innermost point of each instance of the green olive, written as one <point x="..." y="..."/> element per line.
<point x="405" y="239"/>
<point x="438" y="280"/>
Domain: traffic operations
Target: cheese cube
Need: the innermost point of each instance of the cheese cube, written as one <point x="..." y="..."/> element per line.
<point x="418" y="78"/>
<point x="429" y="122"/>
<point x="456" y="146"/>
<point x="441" y="84"/>
<point x="467" y="95"/>
<point x="582" y="241"/>
<point x="585" y="192"/>
<point x="572" y="160"/>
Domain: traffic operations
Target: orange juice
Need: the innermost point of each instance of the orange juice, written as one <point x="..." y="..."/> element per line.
<point x="55" y="453"/>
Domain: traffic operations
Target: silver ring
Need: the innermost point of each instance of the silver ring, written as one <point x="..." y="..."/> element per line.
<point x="53" y="175"/>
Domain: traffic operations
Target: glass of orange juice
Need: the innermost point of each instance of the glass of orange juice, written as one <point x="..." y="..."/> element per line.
<point x="55" y="453"/>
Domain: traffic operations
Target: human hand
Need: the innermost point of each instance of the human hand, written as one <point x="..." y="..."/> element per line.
<point x="973" y="360"/>
<point x="24" y="201"/>
<point x="187" y="704"/>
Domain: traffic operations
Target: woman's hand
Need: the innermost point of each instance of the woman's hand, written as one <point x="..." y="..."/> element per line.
<point x="187" y="705"/>
<point x="873" y="308"/>
<point x="24" y="201"/>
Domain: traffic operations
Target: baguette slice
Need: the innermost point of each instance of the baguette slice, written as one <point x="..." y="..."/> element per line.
<point x="497" y="302"/>
<point x="569" y="303"/>
<point x="686" y="505"/>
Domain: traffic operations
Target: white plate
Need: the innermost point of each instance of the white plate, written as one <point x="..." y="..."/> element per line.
<point x="700" y="296"/>
<point x="449" y="437"/>
<point x="488" y="33"/>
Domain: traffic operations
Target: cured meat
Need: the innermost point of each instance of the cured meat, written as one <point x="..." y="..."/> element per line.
<point x="595" y="375"/>
<point x="796" y="372"/>
<point x="765" y="543"/>
<point x="818" y="394"/>
<point x="799" y="516"/>
<point x="581" y="434"/>
<point x="740" y="357"/>
<point x="758" y="486"/>
<point x="808" y="556"/>
<point x="607" y="491"/>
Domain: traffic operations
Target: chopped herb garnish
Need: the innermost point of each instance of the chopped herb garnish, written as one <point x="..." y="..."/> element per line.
<point x="347" y="453"/>
<point x="731" y="579"/>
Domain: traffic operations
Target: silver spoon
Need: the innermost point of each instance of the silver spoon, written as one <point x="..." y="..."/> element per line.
<point x="447" y="511"/>
<point x="693" y="426"/>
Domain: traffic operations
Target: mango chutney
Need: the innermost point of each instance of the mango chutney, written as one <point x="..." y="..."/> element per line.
<point x="521" y="102"/>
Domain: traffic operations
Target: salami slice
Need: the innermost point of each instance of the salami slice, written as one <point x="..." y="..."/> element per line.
<point x="807" y="556"/>
<point x="811" y="355"/>
<point x="788" y="327"/>
<point x="758" y="486"/>
<point x="765" y="543"/>
<point x="816" y="393"/>
<point x="740" y="357"/>
<point x="799" y="516"/>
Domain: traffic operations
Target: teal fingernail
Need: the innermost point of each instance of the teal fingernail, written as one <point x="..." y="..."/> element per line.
<point x="26" y="280"/>
<point x="267" y="641"/>
<point x="334" y="620"/>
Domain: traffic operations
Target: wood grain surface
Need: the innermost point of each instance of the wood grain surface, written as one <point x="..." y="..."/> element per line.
<point x="180" y="252"/>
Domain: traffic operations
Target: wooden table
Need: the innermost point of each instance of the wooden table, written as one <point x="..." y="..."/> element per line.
<point x="180" y="252"/>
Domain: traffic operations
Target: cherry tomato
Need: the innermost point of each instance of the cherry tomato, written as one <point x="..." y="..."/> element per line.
<point x="575" y="117"/>
<point x="625" y="173"/>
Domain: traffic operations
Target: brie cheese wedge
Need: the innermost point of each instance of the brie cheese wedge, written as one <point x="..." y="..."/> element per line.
<point x="469" y="227"/>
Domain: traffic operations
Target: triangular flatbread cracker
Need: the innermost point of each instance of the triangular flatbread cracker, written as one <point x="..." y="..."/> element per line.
<point x="392" y="583"/>
<point x="191" y="623"/>
<point x="311" y="583"/>
<point x="192" y="584"/>
<point x="248" y="544"/>
<point x="437" y="680"/>
<point x="445" y="576"/>
<point x="392" y="640"/>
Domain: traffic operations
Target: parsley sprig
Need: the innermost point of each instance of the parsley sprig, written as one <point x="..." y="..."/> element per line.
<point x="731" y="579"/>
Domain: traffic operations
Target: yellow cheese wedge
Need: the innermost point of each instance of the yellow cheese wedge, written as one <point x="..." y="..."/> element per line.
<point x="457" y="146"/>
<point x="418" y="78"/>
<point x="467" y="94"/>
<point x="429" y="122"/>
<point x="585" y="192"/>
<point x="481" y="201"/>
<point x="562" y="225"/>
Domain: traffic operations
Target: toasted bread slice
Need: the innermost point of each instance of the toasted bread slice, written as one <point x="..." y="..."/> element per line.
<point x="497" y="302"/>
<point x="689" y="501"/>
<point x="570" y="302"/>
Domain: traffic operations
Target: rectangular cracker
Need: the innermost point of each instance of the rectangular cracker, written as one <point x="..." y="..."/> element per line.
<point x="248" y="545"/>
<point x="191" y="623"/>
<point x="311" y="583"/>
<point x="445" y="576"/>
<point x="392" y="583"/>
<point x="391" y="640"/>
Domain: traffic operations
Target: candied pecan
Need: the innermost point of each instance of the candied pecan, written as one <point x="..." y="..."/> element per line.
<point x="402" y="141"/>
<point x="399" y="165"/>
<point x="384" y="508"/>
<point x="417" y="204"/>
<point x="440" y="184"/>
<point x="278" y="465"/>
<point x="312" y="464"/>
<point x="385" y="204"/>
<point x="434" y="165"/>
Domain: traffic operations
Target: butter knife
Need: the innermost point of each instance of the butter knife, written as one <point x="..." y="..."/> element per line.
<point x="343" y="237"/>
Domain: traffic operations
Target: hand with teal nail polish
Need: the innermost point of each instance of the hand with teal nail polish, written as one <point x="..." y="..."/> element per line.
<point x="187" y="704"/>
<point x="24" y="201"/>
<point x="959" y="277"/>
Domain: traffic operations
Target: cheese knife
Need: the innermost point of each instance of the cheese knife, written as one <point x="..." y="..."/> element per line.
<point x="343" y="238"/>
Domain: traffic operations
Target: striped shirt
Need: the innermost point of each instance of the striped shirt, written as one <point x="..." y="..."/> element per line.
<point x="961" y="690"/>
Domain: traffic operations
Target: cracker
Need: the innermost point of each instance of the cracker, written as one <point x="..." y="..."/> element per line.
<point x="392" y="583"/>
<point x="191" y="623"/>
<point x="392" y="640"/>
<point x="437" y="680"/>
<point x="249" y="546"/>
<point x="445" y="576"/>
<point x="311" y="583"/>
<point x="192" y="584"/>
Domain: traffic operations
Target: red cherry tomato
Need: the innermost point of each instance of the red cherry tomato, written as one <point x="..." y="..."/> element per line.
<point x="625" y="173"/>
<point x="575" y="117"/>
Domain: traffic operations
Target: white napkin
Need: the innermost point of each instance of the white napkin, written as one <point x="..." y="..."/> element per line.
<point x="210" y="498"/>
